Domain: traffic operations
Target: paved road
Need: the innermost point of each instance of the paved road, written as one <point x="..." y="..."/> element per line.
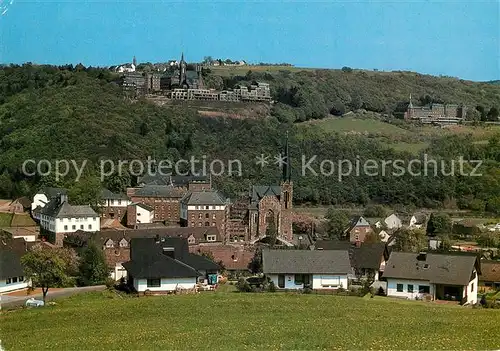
<point x="9" y="302"/>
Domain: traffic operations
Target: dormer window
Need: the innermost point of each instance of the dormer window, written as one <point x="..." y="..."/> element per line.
<point x="123" y="243"/>
<point x="110" y="244"/>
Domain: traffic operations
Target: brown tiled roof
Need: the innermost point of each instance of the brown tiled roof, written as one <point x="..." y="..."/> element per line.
<point x="233" y="257"/>
<point x="490" y="271"/>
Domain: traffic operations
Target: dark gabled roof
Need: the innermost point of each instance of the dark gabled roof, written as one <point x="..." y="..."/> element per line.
<point x="24" y="201"/>
<point x="158" y="179"/>
<point x="437" y="268"/>
<point x="147" y="259"/>
<point x="199" y="262"/>
<point x="490" y="271"/>
<point x="366" y="256"/>
<point x="159" y="191"/>
<point x="11" y="251"/>
<point x="306" y="261"/>
<point x="52" y="192"/>
<point x="259" y="191"/>
<point x="56" y="208"/>
<point x="109" y="195"/>
<point x="210" y="197"/>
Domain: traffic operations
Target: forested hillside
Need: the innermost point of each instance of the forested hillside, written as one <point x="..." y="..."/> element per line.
<point x="314" y="94"/>
<point x="73" y="113"/>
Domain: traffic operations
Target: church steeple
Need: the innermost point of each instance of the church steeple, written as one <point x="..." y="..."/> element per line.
<point x="134" y="62"/>
<point x="182" y="71"/>
<point x="410" y="105"/>
<point x="287" y="165"/>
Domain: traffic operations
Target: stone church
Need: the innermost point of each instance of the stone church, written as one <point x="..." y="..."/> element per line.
<point x="264" y="206"/>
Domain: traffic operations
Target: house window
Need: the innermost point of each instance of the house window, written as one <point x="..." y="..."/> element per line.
<point x="211" y="238"/>
<point x="21" y="279"/>
<point x="154" y="283"/>
<point x="207" y="224"/>
<point x="90" y="226"/>
<point x="73" y="227"/>
<point x="119" y="202"/>
<point x="156" y="215"/>
<point x="214" y="216"/>
<point x="213" y="224"/>
<point x="207" y="215"/>
<point x="192" y="216"/>
<point x="424" y="289"/>
<point x="192" y="224"/>
<point x="14" y="280"/>
<point x="200" y="216"/>
<point x="199" y="224"/>
<point x="8" y="281"/>
<point x="123" y="243"/>
<point x="410" y="288"/>
<point x="472" y="288"/>
<point x="331" y="281"/>
<point x="81" y="226"/>
<point x="109" y="244"/>
<point x="299" y="279"/>
<point x="65" y="227"/>
<point x="399" y="287"/>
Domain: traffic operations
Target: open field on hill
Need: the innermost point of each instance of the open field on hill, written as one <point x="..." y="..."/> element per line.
<point x="262" y="321"/>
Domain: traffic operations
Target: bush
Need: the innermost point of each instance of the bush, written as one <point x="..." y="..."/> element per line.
<point x="271" y="287"/>
<point x="243" y="286"/>
<point x="110" y="283"/>
<point x="307" y="291"/>
<point x="380" y="291"/>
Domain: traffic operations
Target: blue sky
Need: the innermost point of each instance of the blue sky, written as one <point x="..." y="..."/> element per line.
<point x="456" y="38"/>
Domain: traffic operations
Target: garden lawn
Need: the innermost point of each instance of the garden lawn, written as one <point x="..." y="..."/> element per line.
<point x="247" y="321"/>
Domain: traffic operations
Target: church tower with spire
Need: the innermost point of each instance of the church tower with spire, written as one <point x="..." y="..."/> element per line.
<point x="182" y="73"/>
<point x="410" y="111"/>
<point x="286" y="198"/>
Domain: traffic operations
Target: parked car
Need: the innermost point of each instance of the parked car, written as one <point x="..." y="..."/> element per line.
<point x="34" y="303"/>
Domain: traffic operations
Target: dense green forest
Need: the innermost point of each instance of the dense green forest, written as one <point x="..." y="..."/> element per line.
<point x="80" y="114"/>
<point x="314" y="94"/>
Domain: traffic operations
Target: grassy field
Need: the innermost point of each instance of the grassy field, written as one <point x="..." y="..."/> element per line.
<point x="248" y="321"/>
<point x="5" y="219"/>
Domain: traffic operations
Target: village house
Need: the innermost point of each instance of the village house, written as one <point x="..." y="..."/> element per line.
<point x="139" y="213"/>
<point x="58" y="218"/>
<point x="367" y="260"/>
<point x="113" y="206"/>
<point x="116" y="243"/>
<point x="234" y="258"/>
<point x="42" y="198"/>
<point x="205" y="209"/>
<point x="490" y="275"/>
<point x="163" y="199"/>
<point x="438" y="276"/>
<point x="165" y="265"/>
<point x="418" y="220"/>
<point x="358" y="229"/>
<point x="393" y="222"/>
<point x="299" y="269"/>
<point x="11" y="271"/>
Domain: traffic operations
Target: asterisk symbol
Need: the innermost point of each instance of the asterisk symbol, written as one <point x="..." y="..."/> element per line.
<point x="262" y="160"/>
<point x="280" y="160"/>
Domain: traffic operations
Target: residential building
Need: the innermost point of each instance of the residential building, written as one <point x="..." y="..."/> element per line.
<point x="166" y="265"/>
<point x="367" y="260"/>
<point x="358" y="229"/>
<point x="139" y="213"/>
<point x="11" y="271"/>
<point x="58" y="218"/>
<point x="204" y="209"/>
<point x="393" y="222"/>
<point x="44" y="195"/>
<point x="438" y="276"/>
<point x="113" y="206"/>
<point x="116" y="243"/>
<point x="20" y="205"/>
<point x="163" y="199"/>
<point x="490" y="275"/>
<point x="418" y="220"/>
<point x="235" y="258"/>
<point x="298" y="269"/>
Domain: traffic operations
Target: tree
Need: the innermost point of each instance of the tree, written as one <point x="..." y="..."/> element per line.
<point x="47" y="267"/>
<point x="338" y="220"/>
<point x="439" y="223"/>
<point x="493" y="114"/>
<point x="255" y="265"/>
<point x="410" y="240"/>
<point x="271" y="232"/>
<point x="375" y="211"/>
<point x="93" y="268"/>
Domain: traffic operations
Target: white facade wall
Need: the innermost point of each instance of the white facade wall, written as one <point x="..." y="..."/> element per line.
<point x="392" y="288"/>
<point x="118" y="272"/>
<point x="318" y="281"/>
<point x="4" y="287"/>
<point x="185" y="209"/>
<point x="39" y="200"/>
<point x="115" y="203"/>
<point x="143" y="215"/>
<point x="68" y="225"/>
<point x="27" y="238"/>
<point x="471" y="290"/>
<point x="393" y="222"/>
<point x="167" y="284"/>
